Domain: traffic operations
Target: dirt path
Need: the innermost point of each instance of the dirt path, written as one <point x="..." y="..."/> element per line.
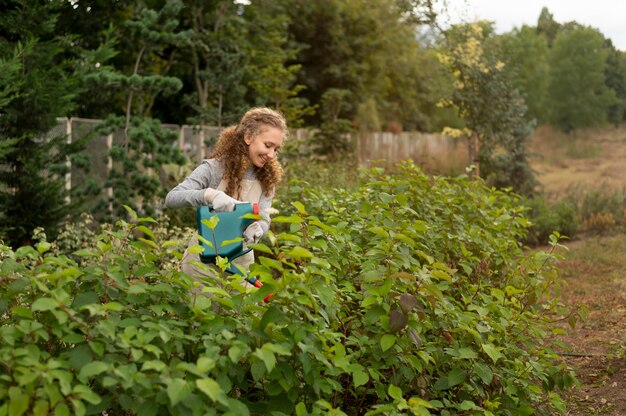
<point x="595" y="273"/>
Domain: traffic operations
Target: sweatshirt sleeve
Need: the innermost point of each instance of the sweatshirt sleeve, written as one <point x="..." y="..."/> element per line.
<point x="265" y="204"/>
<point x="190" y="192"/>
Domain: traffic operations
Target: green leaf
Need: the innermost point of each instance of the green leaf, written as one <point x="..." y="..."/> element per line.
<point x="205" y="364"/>
<point x="155" y="365"/>
<point x="395" y="392"/>
<point x="146" y="231"/>
<point x="379" y="231"/>
<point x="61" y="409"/>
<point x="360" y="377"/>
<point x="292" y="219"/>
<point x="267" y="357"/>
<point x="468" y="405"/>
<point x="131" y="212"/>
<point x="300" y="253"/>
<point x="387" y="341"/>
<point x="148" y="243"/>
<point x="301" y="409"/>
<point x="79" y="407"/>
<point x="492" y="351"/>
<point x="86" y="394"/>
<point x="41" y="408"/>
<point x="210" y="387"/>
<point x="262" y="248"/>
<point x="43" y="246"/>
<point x="467" y="353"/>
<point x="456" y="376"/>
<point x="92" y="369"/>
<point x="211" y="223"/>
<point x="22" y="312"/>
<point x="441" y="275"/>
<point x="483" y="371"/>
<point x="177" y="390"/>
<point x="231" y="241"/>
<point x="300" y="207"/>
<point x="18" y="401"/>
<point x="44" y="304"/>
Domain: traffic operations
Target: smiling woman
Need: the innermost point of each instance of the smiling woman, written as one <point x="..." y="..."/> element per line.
<point x="242" y="168"/>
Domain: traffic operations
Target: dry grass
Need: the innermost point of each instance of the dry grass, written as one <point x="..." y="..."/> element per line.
<point x="595" y="272"/>
<point x="591" y="159"/>
<point x="593" y="162"/>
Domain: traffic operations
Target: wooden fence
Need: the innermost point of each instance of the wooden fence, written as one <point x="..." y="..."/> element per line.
<point x="435" y="153"/>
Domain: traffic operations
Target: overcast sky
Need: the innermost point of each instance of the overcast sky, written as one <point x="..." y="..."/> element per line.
<point x="608" y="16"/>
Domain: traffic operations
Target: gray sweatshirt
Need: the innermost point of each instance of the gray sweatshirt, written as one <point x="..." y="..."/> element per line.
<point x="190" y="192"/>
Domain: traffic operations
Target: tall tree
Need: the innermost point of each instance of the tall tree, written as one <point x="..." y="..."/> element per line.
<point x="218" y="60"/>
<point x="547" y="26"/>
<point x="145" y="145"/>
<point x="368" y="47"/>
<point x="493" y="111"/>
<point x="272" y="75"/>
<point x="579" y="96"/>
<point x="32" y="187"/>
<point x="615" y="75"/>
<point x="525" y="54"/>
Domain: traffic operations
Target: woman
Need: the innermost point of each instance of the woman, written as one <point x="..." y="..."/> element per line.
<point x="241" y="167"/>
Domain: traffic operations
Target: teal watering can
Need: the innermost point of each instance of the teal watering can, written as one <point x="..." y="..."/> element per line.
<point x="230" y="226"/>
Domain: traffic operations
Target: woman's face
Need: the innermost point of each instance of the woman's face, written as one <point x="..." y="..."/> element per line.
<point x="264" y="146"/>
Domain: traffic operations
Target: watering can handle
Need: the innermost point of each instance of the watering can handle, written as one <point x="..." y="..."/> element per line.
<point x="255" y="207"/>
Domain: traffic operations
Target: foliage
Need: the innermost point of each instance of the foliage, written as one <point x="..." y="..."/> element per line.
<point x="333" y="137"/>
<point x="547" y="26"/>
<point x="493" y="111"/>
<point x="548" y="217"/>
<point x="271" y="74"/>
<point x="218" y="61"/>
<point x="578" y="94"/>
<point x="409" y="294"/>
<point x="39" y="83"/>
<point x="368" y="47"/>
<point x="615" y="76"/>
<point x="146" y="145"/>
<point x="525" y="54"/>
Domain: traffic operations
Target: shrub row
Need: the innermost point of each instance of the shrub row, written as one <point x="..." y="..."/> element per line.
<point x="406" y="295"/>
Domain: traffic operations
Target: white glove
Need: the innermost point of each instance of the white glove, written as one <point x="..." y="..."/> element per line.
<point x="253" y="233"/>
<point x="220" y="201"/>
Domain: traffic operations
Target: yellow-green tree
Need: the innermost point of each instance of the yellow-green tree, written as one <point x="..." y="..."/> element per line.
<point x="492" y="110"/>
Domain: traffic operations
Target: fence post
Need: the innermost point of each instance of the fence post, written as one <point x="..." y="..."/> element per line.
<point x="68" y="162"/>
<point x="109" y="190"/>
<point x="181" y="138"/>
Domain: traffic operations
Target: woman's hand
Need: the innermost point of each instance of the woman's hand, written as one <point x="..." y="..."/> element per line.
<point x="253" y="233"/>
<point x="220" y="201"/>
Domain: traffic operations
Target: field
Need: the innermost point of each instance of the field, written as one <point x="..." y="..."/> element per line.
<point x="591" y="159"/>
<point x="594" y="267"/>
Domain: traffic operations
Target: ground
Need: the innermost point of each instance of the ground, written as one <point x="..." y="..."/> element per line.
<point x="593" y="269"/>
<point x="594" y="158"/>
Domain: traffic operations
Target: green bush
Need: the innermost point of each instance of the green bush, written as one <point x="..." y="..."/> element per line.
<point x="546" y="218"/>
<point x="406" y="295"/>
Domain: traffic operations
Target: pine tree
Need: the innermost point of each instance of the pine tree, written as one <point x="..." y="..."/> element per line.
<point x="145" y="145"/>
<point x="32" y="191"/>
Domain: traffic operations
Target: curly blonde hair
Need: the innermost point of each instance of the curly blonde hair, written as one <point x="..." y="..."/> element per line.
<point x="232" y="150"/>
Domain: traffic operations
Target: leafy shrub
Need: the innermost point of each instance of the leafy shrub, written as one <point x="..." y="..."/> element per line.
<point x="546" y="218"/>
<point x="406" y="295"/>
